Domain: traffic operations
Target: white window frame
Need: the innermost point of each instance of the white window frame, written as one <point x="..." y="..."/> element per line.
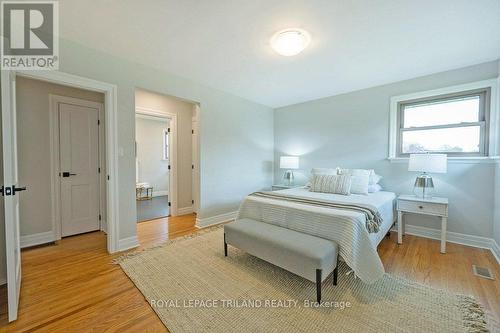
<point x="491" y="132"/>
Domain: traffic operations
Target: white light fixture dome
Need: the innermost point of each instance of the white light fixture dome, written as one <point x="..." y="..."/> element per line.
<point x="290" y="42"/>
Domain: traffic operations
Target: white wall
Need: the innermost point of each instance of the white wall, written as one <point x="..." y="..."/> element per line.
<point x="151" y="166"/>
<point x="352" y="130"/>
<point x="184" y="112"/>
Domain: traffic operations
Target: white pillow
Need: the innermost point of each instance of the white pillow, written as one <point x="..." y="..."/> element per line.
<point x="374" y="188"/>
<point x="321" y="171"/>
<point x="324" y="171"/>
<point x="359" y="179"/>
<point x="374" y="178"/>
<point x="338" y="184"/>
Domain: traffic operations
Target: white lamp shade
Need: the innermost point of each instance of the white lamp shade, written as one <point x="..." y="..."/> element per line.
<point x="289" y="162"/>
<point x="434" y="163"/>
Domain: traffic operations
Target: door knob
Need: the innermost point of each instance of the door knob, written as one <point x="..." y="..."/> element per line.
<point x="17" y="189"/>
<point x="11" y="190"/>
<point x="67" y="174"/>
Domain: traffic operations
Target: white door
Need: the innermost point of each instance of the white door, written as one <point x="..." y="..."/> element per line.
<point x="10" y="191"/>
<point x="79" y="163"/>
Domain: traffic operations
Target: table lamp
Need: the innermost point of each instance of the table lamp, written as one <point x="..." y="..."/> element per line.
<point x="289" y="163"/>
<point x="424" y="163"/>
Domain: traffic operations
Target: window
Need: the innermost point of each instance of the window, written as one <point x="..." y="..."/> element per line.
<point x="165" y="143"/>
<point x="456" y="124"/>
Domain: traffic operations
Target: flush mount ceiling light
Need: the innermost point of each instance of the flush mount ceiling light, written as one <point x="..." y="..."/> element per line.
<point x="290" y="42"/>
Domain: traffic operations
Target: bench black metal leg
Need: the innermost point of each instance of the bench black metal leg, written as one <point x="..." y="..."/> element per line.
<point x="225" y="246"/>
<point x="318" y="285"/>
<point x="336" y="272"/>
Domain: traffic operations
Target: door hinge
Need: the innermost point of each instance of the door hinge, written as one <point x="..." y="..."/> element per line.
<point x="99" y="217"/>
<point x="192" y="201"/>
<point x="108" y="177"/>
<point x="192" y="131"/>
<point x="98" y="170"/>
<point x="169" y="204"/>
<point x="192" y="166"/>
<point x="168" y="130"/>
<point x="169" y="167"/>
<point x="98" y="122"/>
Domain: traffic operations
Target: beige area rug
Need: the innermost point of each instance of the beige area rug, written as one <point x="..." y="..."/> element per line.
<point x="194" y="288"/>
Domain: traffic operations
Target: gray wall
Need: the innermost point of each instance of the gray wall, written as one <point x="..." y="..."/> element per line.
<point x="496" y="225"/>
<point x="236" y="135"/>
<point x="352" y="130"/>
<point x="151" y="167"/>
<point x="184" y="112"/>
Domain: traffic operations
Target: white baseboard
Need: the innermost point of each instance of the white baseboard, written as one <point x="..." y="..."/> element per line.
<point x="496" y="251"/>
<point x="159" y="193"/>
<point x="208" y="221"/>
<point x="37" y="239"/>
<point x="185" y="210"/>
<point x="128" y="243"/>
<point x="455" y="237"/>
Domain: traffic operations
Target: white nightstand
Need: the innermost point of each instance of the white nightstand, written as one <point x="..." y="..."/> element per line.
<point x="278" y="187"/>
<point x="429" y="206"/>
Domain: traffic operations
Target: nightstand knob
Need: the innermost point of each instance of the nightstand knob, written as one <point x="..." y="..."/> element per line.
<point x="421" y="207"/>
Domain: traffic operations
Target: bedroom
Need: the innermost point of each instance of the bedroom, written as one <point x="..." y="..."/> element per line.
<point x="330" y="106"/>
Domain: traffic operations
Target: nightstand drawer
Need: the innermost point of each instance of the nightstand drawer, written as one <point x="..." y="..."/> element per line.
<point x="423" y="207"/>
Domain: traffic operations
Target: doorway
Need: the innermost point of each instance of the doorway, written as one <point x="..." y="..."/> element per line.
<point x="11" y="185"/>
<point x="179" y="141"/>
<point x="153" y="158"/>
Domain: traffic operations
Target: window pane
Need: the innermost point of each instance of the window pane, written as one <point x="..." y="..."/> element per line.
<point x="453" y="111"/>
<point x="453" y="140"/>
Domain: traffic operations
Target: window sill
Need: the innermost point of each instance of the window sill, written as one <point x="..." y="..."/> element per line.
<point x="456" y="160"/>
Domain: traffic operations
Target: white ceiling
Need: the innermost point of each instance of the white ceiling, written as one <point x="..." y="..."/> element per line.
<point x="225" y="43"/>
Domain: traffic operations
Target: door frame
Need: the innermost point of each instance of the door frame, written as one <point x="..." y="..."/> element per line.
<point x="172" y="186"/>
<point x="111" y="130"/>
<point x="195" y="122"/>
<point x="54" y="100"/>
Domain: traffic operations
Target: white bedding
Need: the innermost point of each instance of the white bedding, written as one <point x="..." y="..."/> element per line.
<point x="382" y="200"/>
<point x="348" y="228"/>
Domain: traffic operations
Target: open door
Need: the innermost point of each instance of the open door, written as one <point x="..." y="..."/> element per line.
<point x="9" y="191"/>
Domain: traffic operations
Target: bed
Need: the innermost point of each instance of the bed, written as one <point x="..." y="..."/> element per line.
<point x="357" y="245"/>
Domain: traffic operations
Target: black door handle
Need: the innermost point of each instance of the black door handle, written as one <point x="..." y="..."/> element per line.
<point x="67" y="174"/>
<point x="17" y="189"/>
<point x="11" y="190"/>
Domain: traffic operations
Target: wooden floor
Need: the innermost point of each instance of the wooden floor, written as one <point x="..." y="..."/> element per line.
<point x="73" y="287"/>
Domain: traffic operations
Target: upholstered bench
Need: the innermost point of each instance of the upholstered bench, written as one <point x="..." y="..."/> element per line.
<point x="310" y="257"/>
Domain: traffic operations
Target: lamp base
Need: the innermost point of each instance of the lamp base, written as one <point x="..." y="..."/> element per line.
<point x="288" y="178"/>
<point x="424" y="186"/>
